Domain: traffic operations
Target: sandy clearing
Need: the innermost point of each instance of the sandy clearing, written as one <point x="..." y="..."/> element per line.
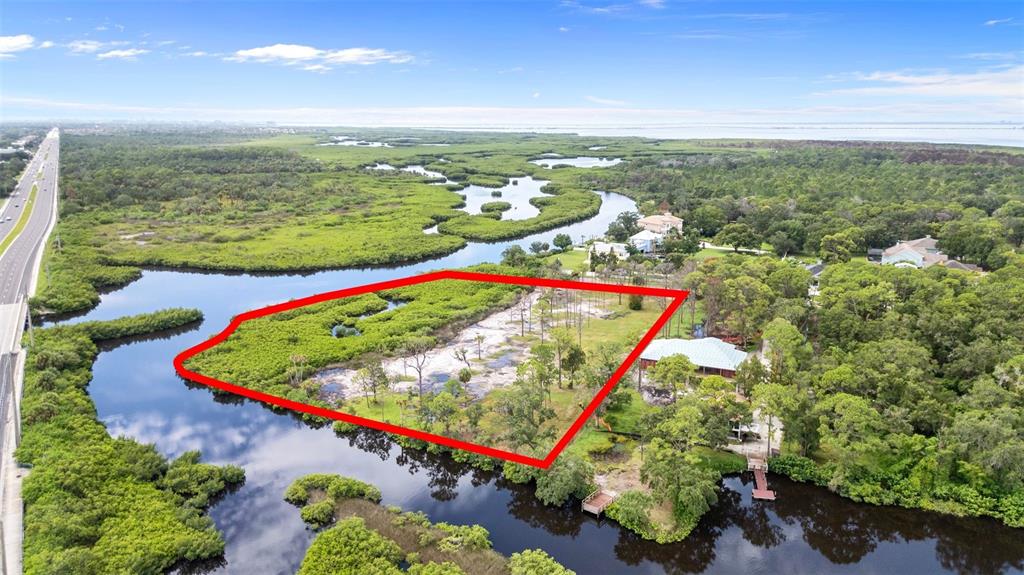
<point x="494" y="364"/>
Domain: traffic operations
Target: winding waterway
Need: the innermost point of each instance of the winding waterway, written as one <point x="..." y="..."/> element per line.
<point x="806" y="529"/>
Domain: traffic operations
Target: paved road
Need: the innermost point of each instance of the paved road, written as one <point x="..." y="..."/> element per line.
<point x="16" y="264"/>
<point x="17" y="272"/>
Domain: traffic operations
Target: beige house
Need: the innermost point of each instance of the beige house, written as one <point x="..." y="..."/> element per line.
<point x="922" y="253"/>
<point x="661" y="223"/>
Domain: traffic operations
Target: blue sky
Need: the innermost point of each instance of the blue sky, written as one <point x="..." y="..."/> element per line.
<point x="466" y="63"/>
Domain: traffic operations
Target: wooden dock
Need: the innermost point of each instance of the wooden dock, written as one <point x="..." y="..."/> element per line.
<point x="596" y="502"/>
<point x="761" y="490"/>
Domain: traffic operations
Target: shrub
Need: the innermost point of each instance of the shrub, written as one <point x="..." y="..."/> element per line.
<point x="536" y="562"/>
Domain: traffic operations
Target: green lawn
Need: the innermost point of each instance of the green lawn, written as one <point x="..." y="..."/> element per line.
<point x="571" y="260"/>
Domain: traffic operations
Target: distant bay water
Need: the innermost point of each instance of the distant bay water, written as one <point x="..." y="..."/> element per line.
<point x="992" y="134"/>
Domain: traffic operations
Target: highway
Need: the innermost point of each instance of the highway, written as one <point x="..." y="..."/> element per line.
<point x="19" y="265"/>
<point x="18" y="261"/>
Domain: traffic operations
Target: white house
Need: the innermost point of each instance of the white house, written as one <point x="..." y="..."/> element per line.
<point x="645" y="241"/>
<point x="921" y="253"/>
<point x="602" y="248"/>
<point x="661" y="223"/>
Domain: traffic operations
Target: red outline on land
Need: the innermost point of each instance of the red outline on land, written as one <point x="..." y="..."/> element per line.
<point x="677" y="299"/>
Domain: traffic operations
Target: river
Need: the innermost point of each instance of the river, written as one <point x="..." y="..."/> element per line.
<point x="806" y="529"/>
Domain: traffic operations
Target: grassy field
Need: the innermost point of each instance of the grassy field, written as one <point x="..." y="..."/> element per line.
<point x="574" y="260"/>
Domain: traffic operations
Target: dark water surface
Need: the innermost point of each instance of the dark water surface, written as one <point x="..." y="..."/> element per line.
<point x="806" y="530"/>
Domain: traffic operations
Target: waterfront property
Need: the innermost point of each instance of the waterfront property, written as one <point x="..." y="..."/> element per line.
<point x="645" y="241"/>
<point x="602" y="248"/>
<point x="661" y="223"/>
<point x="711" y="355"/>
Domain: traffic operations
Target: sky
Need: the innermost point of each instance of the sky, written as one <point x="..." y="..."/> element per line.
<point x="479" y="64"/>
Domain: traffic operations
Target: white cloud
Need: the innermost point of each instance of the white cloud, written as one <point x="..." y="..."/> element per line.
<point x="9" y="45"/>
<point x="563" y="29"/>
<point x="166" y="42"/>
<point x="128" y="54"/>
<point x="992" y="56"/>
<point x="101" y="28"/>
<point x="653" y="3"/>
<point x="196" y="54"/>
<point x="536" y="94"/>
<point x="278" y="52"/>
<point x="1004" y="83"/>
<point x="998" y="22"/>
<point x="605" y="101"/>
<point x="366" y="56"/>
<point x="319" y="60"/>
<point x="46" y="44"/>
<point x="85" y="46"/>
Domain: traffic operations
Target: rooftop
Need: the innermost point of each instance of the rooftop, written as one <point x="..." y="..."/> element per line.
<point x="645" y="235"/>
<point x="709" y="352"/>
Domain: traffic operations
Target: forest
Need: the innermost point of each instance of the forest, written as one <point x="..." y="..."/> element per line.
<point x="125" y="508"/>
<point x="831" y="201"/>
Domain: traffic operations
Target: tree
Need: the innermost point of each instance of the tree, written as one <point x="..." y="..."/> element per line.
<point x="674" y="373"/>
<point x="624" y="226"/>
<point x="979" y="241"/>
<point x="738" y="236"/>
<point x="298" y="369"/>
<point x="787" y="237"/>
<point x="852" y="429"/>
<point x="474" y="413"/>
<point x="372" y="378"/>
<point x="535" y="562"/>
<point x="836" y="248"/>
<point x="479" y="346"/>
<point x="683" y="243"/>
<point x="417" y="350"/>
<point x="572" y="361"/>
<point x="786" y="349"/>
<point x="684" y="427"/>
<point x="462" y="355"/>
<point x="570" y="474"/>
<point x="562" y="242"/>
<point x="514" y="256"/>
<point x="720" y="409"/>
<point x="747" y="302"/>
<point x="562" y="341"/>
<point x="749" y="374"/>
<point x="676" y="477"/>
<point x="539" y="247"/>
<point x="443" y="408"/>
<point x="773" y="400"/>
<point x="708" y="219"/>
<point x="525" y="412"/>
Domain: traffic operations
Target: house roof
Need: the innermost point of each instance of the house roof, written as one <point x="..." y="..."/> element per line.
<point x="661" y="219"/>
<point x="708" y="352"/>
<point x="645" y="235"/>
<point x="815" y="269"/>
<point x="920" y="245"/>
<point x="955" y="265"/>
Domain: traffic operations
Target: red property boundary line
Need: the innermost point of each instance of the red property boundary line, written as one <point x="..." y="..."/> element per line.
<point x="677" y="299"/>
